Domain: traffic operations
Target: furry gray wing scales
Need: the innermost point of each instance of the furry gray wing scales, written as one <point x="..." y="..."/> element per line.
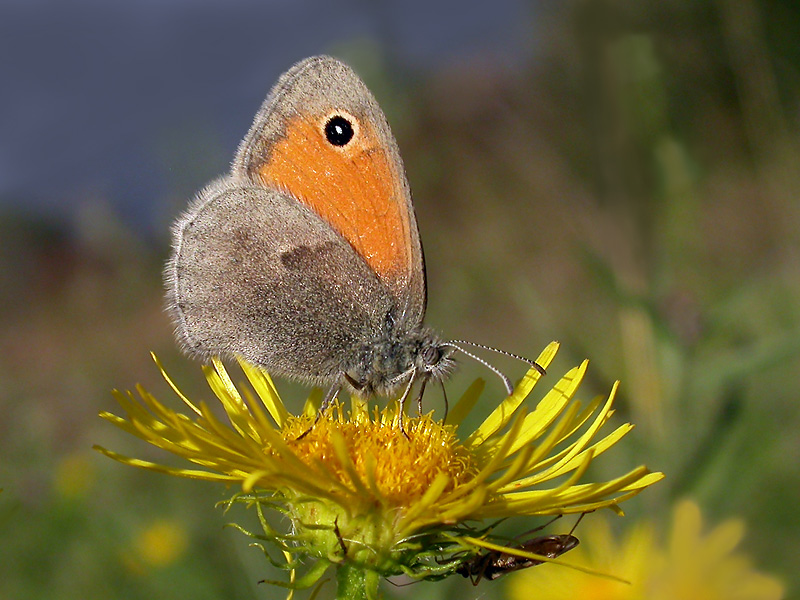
<point x="256" y="274"/>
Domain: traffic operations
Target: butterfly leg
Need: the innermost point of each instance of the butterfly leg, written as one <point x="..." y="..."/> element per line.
<point x="402" y="403"/>
<point x="327" y="400"/>
<point x="446" y="403"/>
<point x="419" y="396"/>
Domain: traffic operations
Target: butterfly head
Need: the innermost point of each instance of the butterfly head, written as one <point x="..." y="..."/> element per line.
<point x="388" y="365"/>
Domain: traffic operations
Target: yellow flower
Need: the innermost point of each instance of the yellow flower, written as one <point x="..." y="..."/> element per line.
<point x="161" y="543"/>
<point x="358" y="492"/>
<point x="690" y="566"/>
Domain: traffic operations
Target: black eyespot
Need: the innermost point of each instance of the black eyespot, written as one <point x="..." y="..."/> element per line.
<point x="339" y="130"/>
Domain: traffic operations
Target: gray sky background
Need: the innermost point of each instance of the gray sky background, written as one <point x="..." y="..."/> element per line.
<point x="98" y="96"/>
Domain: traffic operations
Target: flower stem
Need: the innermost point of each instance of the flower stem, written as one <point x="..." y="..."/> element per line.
<point x="352" y="583"/>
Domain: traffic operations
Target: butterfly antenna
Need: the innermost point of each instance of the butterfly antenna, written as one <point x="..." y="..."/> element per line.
<point x="532" y="363"/>
<point x="501" y="375"/>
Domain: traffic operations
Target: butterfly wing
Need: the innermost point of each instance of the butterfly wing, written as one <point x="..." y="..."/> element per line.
<point x="359" y="188"/>
<point x="255" y="273"/>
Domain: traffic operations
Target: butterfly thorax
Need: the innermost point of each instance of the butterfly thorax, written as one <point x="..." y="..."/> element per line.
<point x="387" y="364"/>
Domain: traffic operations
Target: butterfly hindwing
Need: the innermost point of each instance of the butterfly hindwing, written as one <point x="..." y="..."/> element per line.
<point x="254" y="273"/>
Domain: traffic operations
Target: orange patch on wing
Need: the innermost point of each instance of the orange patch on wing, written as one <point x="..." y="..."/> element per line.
<point x="355" y="188"/>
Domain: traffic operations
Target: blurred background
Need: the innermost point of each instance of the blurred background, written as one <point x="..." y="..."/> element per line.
<point x="621" y="176"/>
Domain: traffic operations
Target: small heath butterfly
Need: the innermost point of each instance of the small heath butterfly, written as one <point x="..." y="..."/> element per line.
<point x="305" y="258"/>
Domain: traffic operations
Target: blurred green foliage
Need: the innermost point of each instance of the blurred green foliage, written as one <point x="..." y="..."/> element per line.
<point x="632" y="192"/>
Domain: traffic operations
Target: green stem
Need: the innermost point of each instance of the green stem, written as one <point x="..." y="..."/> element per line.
<point x="353" y="583"/>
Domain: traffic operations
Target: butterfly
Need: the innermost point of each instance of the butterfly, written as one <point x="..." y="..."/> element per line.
<point x="305" y="258"/>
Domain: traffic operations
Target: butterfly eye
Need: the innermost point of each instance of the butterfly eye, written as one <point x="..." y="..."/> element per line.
<point x="431" y="355"/>
<point x="339" y="130"/>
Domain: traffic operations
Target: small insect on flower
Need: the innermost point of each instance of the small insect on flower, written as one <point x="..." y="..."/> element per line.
<point x="494" y="563"/>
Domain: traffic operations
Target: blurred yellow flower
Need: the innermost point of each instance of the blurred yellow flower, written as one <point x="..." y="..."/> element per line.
<point x="690" y="566"/>
<point x="358" y="492"/>
<point x="160" y="543"/>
